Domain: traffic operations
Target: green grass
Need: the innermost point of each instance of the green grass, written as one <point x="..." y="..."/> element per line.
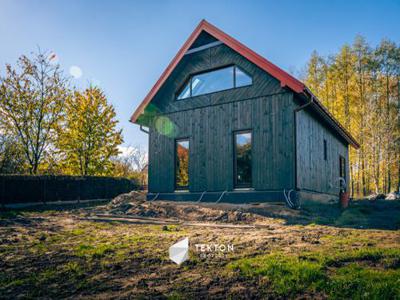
<point x="356" y="282"/>
<point x="360" y="214"/>
<point x="336" y="275"/>
<point x="9" y="214"/>
<point x="287" y="275"/>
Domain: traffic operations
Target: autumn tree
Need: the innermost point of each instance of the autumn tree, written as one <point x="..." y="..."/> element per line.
<point x="88" y="136"/>
<point x="131" y="163"/>
<point x="360" y="85"/>
<point x="12" y="159"/>
<point x="32" y="96"/>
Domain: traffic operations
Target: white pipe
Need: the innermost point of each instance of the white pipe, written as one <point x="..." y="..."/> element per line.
<point x="288" y="200"/>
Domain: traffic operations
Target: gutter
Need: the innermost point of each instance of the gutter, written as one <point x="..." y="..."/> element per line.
<point x="143" y="130"/>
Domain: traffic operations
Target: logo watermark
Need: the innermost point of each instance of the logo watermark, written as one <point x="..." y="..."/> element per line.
<point x="213" y="250"/>
<point x="179" y="252"/>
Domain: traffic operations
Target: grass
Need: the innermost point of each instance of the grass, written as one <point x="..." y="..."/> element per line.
<point x="54" y="255"/>
<point x="360" y="214"/>
<point x="287" y="275"/>
<point x="359" y="274"/>
<point x="9" y="214"/>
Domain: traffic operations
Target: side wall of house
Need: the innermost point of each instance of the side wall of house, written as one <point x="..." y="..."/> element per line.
<point x="314" y="173"/>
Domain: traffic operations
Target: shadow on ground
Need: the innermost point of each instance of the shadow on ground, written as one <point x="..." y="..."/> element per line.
<point x="361" y="214"/>
<point x="380" y="214"/>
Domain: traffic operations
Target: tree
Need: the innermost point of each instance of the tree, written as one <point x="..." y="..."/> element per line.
<point x="88" y="136"/>
<point x="386" y="54"/>
<point x="360" y="85"/>
<point x="12" y="158"/>
<point x="132" y="163"/>
<point x="31" y="104"/>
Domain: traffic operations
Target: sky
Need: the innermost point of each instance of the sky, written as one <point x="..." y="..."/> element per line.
<point x="124" y="46"/>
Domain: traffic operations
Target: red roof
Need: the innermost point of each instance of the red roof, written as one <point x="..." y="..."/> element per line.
<point x="285" y="78"/>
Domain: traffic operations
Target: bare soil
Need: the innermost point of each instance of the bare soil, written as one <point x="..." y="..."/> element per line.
<point x="69" y="254"/>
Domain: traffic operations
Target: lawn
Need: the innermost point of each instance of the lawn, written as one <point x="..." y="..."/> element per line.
<point x="60" y="254"/>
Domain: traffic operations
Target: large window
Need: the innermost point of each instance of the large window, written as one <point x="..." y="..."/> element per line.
<point x="242" y="159"/>
<point x="182" y="164"/>
<point x="214" y="81"/>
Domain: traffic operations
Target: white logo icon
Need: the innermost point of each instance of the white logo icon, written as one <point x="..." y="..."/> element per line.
<point x="179" y="252"/>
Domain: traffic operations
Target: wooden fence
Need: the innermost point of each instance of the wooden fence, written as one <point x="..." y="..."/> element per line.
<point x="31" y="189"/>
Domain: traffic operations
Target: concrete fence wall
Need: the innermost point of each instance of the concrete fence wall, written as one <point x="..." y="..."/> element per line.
<point x="28" y="189"/>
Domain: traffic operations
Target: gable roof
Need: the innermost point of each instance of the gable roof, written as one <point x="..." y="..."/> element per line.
<point x="285" y="78"/>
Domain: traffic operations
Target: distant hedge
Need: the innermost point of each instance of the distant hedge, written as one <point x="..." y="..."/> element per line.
<point x="24" y="189"/>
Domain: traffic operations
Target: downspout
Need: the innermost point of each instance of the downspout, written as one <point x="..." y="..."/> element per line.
<point x="143" y="130"/>
<point x="147" y="132"/>
<point x="289" y="201"/>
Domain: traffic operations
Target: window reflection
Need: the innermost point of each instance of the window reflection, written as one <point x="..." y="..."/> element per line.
<point x="182" y="164"/>
<point x="243" y="159"/>
<point x="185" y="92"/>
<point x="242" y="79"/>
<point x="214" y="81"/>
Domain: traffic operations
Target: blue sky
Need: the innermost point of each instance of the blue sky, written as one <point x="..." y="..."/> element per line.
<point x="124" y="46"/>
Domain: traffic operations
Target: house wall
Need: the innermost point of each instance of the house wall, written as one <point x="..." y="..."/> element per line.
<point x="314" y="173"/>
<point x="279" y="157"/>
<point x="209" y="122"/>
<point x="210" y="131"/>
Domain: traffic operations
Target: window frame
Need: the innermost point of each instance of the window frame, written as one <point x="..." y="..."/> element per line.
<point x="176" y="187"/>
<point x="235" y="183"/>
<point x="190" y="78"/>
<point x="342" y="159"/>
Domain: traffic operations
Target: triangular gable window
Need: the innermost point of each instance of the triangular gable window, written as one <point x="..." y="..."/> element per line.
<point x="214" y="81"/>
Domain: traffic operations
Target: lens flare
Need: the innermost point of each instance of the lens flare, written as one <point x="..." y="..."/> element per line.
<point x="166" y="127"/>
<point x="75" y="72"/>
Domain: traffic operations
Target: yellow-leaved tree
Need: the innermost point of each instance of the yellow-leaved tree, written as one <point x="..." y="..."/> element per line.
<point x="32" y="96"/>
<point x="88" y="135"/>
<point x="360" y="85"/>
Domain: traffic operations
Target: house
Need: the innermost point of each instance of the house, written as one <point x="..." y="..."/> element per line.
<point x="225" y="124"/>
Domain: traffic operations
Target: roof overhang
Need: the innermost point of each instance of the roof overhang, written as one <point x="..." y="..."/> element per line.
<point x="286" y="80"/>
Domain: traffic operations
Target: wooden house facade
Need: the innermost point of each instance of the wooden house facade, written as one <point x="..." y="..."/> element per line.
<point x="225" y="124"/>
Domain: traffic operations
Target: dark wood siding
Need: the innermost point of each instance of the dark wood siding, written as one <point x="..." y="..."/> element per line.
<point x="210" y="130"/>
<point x="209" y="122"/>
<point x="314" y="173"/>
<point x="263" y="83"/>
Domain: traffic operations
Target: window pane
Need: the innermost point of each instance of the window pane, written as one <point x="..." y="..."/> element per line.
<point x="342" y="163"/>
<point x="242" y="79"/>
<point x="182" y="164"/>
<point x="185" y="93"/>
<point x="214" y="81"/>
<point x="243" y="159"/>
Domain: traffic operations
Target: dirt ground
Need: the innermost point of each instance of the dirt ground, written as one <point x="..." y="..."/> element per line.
<point x="317" y="252"/>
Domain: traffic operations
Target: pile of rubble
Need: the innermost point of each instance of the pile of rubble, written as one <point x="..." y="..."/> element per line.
<point x="390" y="196"/>
<point x="134" y="203"/>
